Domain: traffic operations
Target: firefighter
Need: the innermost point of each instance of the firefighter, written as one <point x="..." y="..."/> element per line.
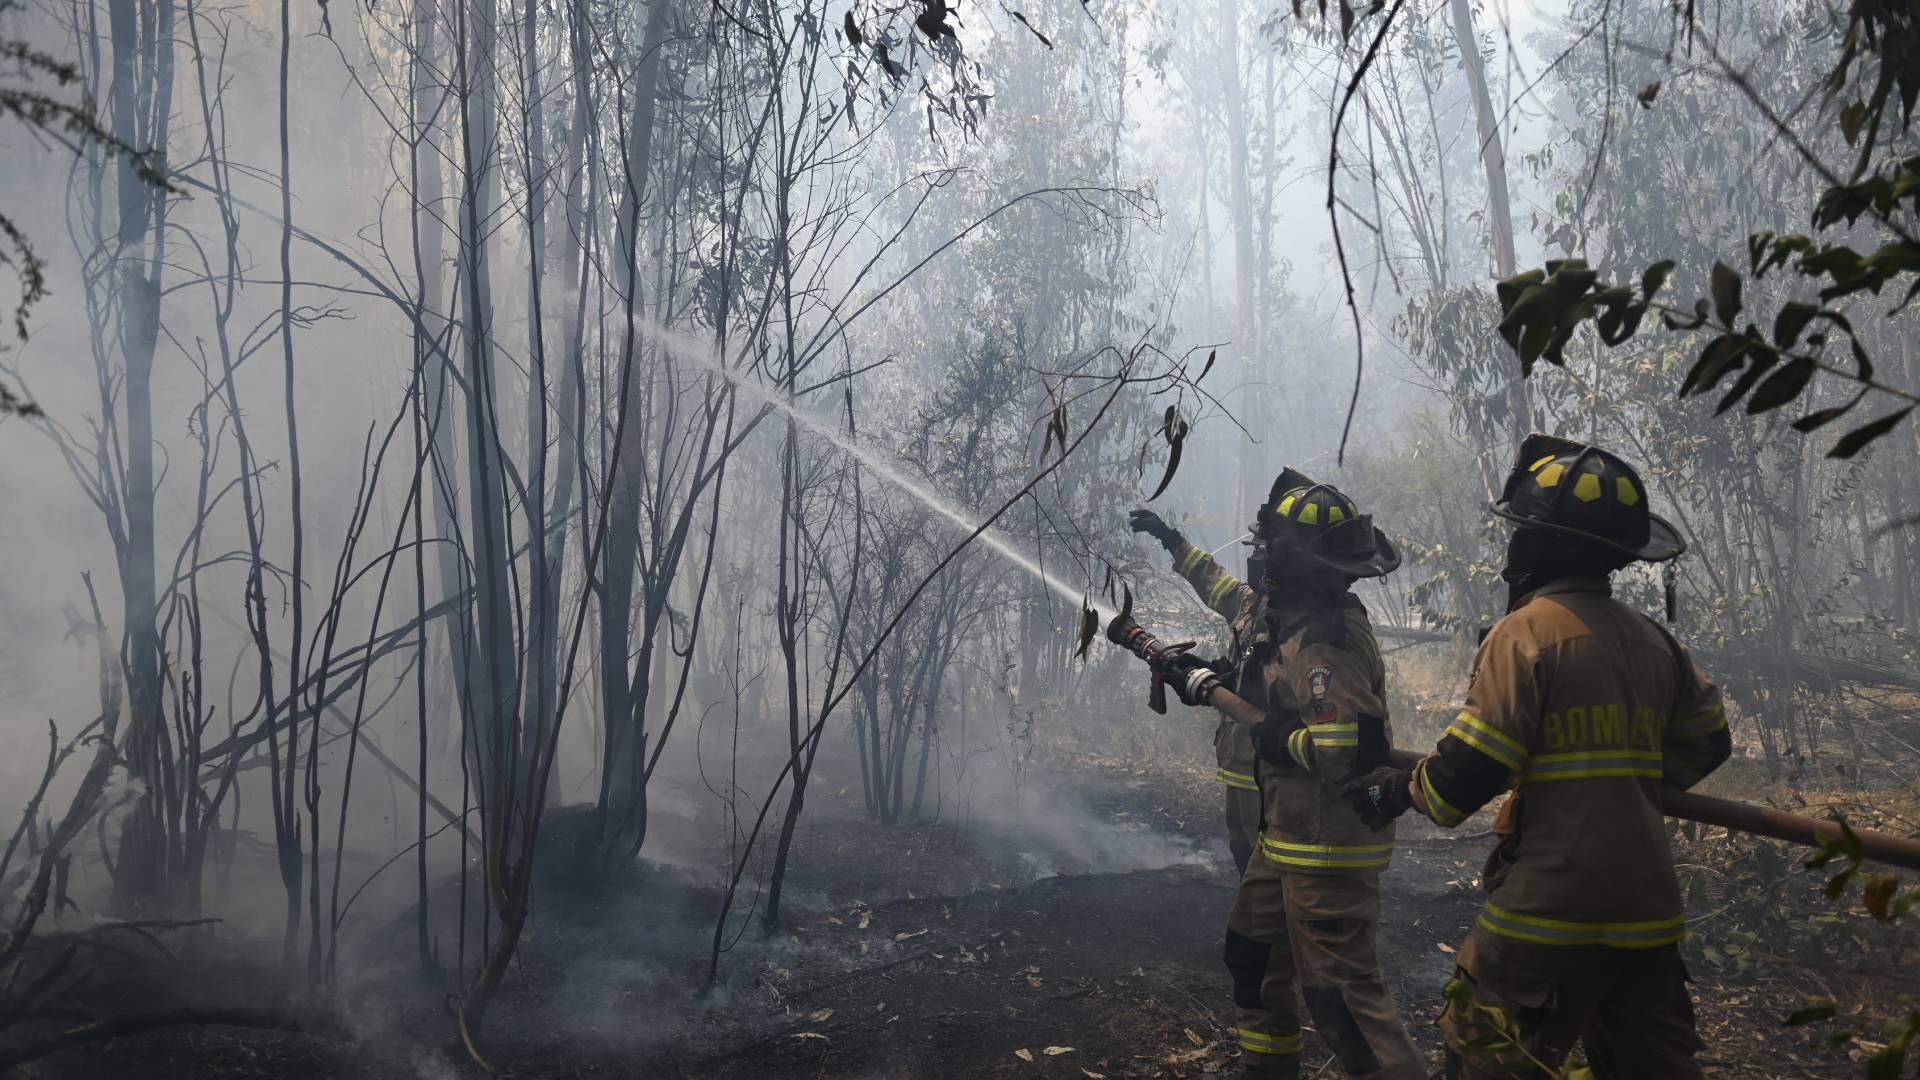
<point x="1308" y="905"/>
<point x="1247" y="652"/>
<point x="1585" y="707"/>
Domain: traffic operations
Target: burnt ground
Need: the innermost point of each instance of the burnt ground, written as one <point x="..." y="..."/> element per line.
<point x="1081" y="941"/>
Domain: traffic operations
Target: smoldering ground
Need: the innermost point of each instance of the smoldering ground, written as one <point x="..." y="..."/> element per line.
<point x="609" y="968"/>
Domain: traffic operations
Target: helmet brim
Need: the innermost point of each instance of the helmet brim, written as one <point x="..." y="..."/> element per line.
<point x="1384" y="560"/>
<point x="1664" y="542"/>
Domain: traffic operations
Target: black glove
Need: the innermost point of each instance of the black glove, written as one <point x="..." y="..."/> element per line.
<point x="1146" y="521"/>
<point x="1191" y="678"/>
<point x="1270" y="738"/>
<point x="1381" y="795"/>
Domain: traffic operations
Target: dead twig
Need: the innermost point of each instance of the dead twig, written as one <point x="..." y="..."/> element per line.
<point x="466" y="1035"/>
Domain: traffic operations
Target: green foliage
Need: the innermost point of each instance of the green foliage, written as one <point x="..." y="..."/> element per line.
<point x="1731" y="952"/>
<point x="1877" y="65"/>
<point x="1542" y="310"/>
<point x="1502" y="1041"/>
<point x="1882" y="899"/>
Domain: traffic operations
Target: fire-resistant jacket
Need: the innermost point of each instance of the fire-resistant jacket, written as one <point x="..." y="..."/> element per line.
<point x="1586" y="708"/>
<point x="1326" y="687"/>
<point x="1241" y="606"/>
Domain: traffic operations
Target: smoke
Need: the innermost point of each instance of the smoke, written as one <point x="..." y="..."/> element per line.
<point x="1055" y="829"/>
<point x="704" y="355"/>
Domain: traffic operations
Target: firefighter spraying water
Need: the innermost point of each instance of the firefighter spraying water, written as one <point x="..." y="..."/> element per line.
<point x="1592" y="714"/>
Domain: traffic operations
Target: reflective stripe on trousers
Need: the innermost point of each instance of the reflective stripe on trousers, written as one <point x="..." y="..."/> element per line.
<point x="1243" y="781"/>
<point x="1259" y="1042"/>
<point x="1322" y="856"/>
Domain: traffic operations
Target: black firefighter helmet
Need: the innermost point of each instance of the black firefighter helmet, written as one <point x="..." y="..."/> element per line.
<point x="1302" y="518"/>
<point x="1571" y="487"/>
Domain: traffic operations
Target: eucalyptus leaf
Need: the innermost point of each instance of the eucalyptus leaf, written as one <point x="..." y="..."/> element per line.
<point x="1856" y="440"/>
<point x="1726" y="293"/>
<point x="1791" y="322"/>
<point x="1782" y="386"/>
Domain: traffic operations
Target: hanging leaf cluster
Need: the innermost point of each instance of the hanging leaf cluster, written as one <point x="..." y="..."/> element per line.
<point x="1541" y="311"/>
<point x="1173" y="432"/>
<point x="1869" y="94"/>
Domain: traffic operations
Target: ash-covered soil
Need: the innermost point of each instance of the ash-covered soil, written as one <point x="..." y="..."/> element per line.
<point x="1079" y="938"/>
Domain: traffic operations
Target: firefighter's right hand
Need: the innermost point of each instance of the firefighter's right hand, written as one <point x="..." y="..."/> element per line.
<point x="1270" y="739"/>
<point x="1192" y="679"/>
<point x="1381" y="795"/>
<point x="1146" y="521"/>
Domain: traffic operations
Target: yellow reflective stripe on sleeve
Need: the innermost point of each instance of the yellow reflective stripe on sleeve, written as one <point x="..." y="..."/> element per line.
<point x="1335" y="735"/>
<point x="1191" y="559"/>
<point x="1243" y="781"/>
<point x="1487" y="739"/>
<point x="1361" y="857"/>
<point x="1592" y="765"/>
<point x="1297" y="748"/>
<point x="1259" y="1042"/>
<point x="1442" y="812"/>
<point x="1704" y="722"/>
<point x="1488" y="731"/>
<point x="1220" y="589"/>
<point x="1621" y="935"/>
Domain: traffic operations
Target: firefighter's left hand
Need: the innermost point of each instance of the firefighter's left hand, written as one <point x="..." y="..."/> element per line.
<point x="1192" y="679"/>
<point x="1150" y="523"/>
<point x="1146" y="521"/>
<point x="1381" y="795"/>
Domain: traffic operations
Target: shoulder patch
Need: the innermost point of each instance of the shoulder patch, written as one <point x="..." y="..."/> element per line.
<point x="1319" y="679"/>
<point x="1319" y="683"/>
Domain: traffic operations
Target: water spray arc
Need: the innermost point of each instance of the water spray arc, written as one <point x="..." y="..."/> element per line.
<point x="701" y="354"/>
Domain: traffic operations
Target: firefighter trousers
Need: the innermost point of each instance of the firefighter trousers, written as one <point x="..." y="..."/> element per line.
<point x="1296" y="936"/>
<point x="1243" y="824"/>
<point x="1516" y="1009"/>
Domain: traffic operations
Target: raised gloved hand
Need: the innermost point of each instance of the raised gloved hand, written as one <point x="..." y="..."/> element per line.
<point x="1146" y="521"/>
<point x="1381" y="795"/>
<point x="1270" y="738"/>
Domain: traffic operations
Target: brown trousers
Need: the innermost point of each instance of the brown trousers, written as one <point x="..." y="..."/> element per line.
<point x="1293" y="935"/>
<point x="1516" y="1009"/>
<point x="1243" y="824"/>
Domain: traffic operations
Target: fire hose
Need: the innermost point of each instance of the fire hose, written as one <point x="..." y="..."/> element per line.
<point x="1731" y="814"/>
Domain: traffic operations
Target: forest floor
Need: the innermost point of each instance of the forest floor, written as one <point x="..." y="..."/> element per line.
<point x="1081" y="940"/>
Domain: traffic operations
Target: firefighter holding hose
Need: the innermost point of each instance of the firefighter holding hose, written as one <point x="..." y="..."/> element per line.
<point x="1308" y="905"/>
<point x="1248" y="650"/>
<point x="1587" y="709"/>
